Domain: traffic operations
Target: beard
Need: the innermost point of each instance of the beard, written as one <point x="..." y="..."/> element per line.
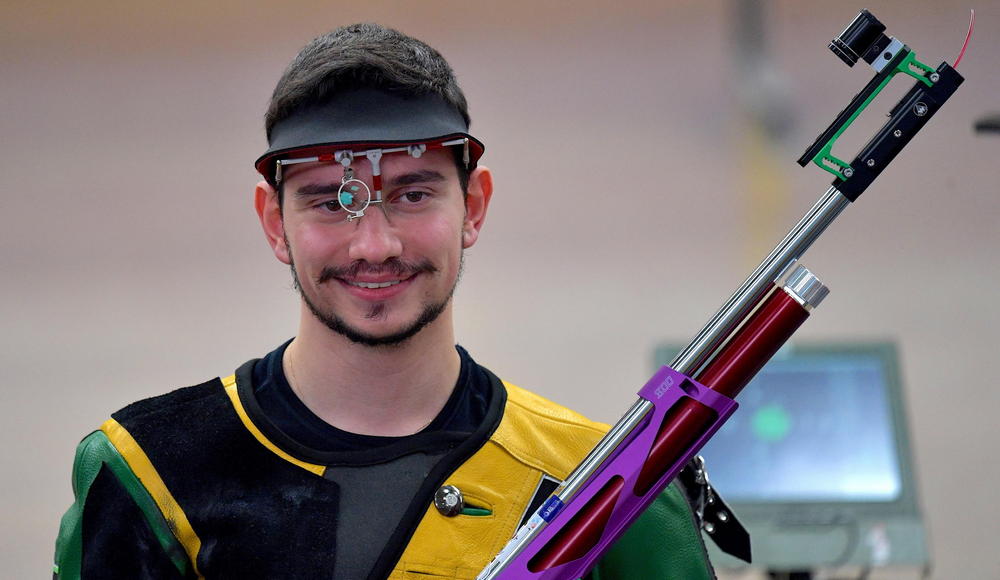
<point x="430" y="312"/>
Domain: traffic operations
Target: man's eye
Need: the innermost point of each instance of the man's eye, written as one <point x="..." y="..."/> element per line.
<point x="414" y="196"/>
<point x="332" y="205"/>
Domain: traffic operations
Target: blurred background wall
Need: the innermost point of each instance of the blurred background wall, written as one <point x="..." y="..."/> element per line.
<point x="132" y="261"/>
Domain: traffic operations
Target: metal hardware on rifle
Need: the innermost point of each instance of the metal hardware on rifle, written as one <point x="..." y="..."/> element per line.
<point x="714" y="515"/>
<point x="863" y="38"/>
<point x="888" y="56"/>
<point x="683" y="405"/>
<point x="805" y="288"/>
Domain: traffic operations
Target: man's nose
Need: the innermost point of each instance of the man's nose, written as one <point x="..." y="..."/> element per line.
<point x="374" y="240"/>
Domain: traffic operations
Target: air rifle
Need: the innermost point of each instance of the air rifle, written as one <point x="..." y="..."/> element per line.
<point x="684" y="404"/>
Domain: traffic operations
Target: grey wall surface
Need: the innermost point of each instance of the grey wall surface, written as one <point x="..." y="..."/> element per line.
<point x="132" y="261"/>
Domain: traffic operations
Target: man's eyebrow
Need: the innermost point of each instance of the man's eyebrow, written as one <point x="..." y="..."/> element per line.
<point x="401" y="180"/>
<point x="317" y="189"/>
<point x="422" y="176"/>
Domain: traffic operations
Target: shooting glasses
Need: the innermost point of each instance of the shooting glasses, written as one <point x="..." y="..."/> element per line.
<point x="354" y="196"/>
<point x="365" y="123"/>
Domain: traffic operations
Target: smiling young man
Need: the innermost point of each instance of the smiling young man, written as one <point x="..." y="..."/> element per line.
<point x="370" y="285"/>
<point x="370" y="445"/>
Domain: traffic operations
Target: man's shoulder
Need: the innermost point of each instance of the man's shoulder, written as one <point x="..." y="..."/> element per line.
<point x="187" y="430"/>
<point x="544" y="434"/>
<point x="161" y="415"/>
<point x="173" y="404"/>
<point x="548" y="413"/>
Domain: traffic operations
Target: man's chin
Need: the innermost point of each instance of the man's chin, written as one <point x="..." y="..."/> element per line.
<point x="385" y="337"/>
<point x="375" y="339"/>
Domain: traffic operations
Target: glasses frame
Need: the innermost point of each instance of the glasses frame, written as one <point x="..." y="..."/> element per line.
<point x="346" y="158"/>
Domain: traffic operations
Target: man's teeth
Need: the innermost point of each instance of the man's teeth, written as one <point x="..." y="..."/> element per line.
<point x="374" y="284"/>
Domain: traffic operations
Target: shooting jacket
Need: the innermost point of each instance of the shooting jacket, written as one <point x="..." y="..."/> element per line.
<point x="197" y="484"/>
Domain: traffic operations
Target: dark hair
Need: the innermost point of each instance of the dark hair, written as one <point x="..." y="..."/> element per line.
<point x="365" y="55"/>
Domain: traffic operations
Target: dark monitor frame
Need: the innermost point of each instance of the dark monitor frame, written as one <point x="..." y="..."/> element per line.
<point x="791" y="515"/>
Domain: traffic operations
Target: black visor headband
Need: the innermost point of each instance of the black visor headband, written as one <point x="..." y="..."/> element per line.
<point x="365" y="117"/>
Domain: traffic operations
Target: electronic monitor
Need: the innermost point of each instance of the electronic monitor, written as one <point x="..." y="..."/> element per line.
<point x="816" y="462"/>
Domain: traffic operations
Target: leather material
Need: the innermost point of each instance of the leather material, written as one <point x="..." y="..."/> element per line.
<point x="663" y="543"/>
<point x="537" y="437"/>
<point x="534" y="437"/>
<point x="717" y="518"/>
<point x="97" y="457"/>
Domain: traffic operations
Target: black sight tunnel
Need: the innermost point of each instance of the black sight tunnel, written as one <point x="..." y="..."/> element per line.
<point x="863" y="38"/>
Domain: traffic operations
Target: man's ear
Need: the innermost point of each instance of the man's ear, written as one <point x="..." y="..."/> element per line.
<point x="265" y="201"/>
<point x="477" y="201"/>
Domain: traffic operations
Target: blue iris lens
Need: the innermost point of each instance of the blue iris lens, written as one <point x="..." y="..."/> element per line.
<point x="346" y="198"/>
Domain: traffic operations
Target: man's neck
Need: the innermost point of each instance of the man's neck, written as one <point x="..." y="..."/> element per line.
<point x="388" y="391"/>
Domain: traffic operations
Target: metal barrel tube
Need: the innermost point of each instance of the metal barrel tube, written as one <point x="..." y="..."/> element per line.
<point x="790" y="249"/>
<point x="767" y="329"/>
<point x="684" y="424"/>
<point x="732" y="313"/>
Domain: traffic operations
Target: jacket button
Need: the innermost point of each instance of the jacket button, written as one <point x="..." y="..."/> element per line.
<point x="449" y="501"/>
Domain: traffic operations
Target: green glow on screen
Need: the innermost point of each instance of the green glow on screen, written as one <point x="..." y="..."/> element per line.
<point x="771" y="423"/>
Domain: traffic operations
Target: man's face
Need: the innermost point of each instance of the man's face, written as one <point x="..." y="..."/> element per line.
<point x="380" y="279"/>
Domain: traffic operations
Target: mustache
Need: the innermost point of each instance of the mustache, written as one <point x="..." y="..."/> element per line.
<point x="393" y="266"/>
